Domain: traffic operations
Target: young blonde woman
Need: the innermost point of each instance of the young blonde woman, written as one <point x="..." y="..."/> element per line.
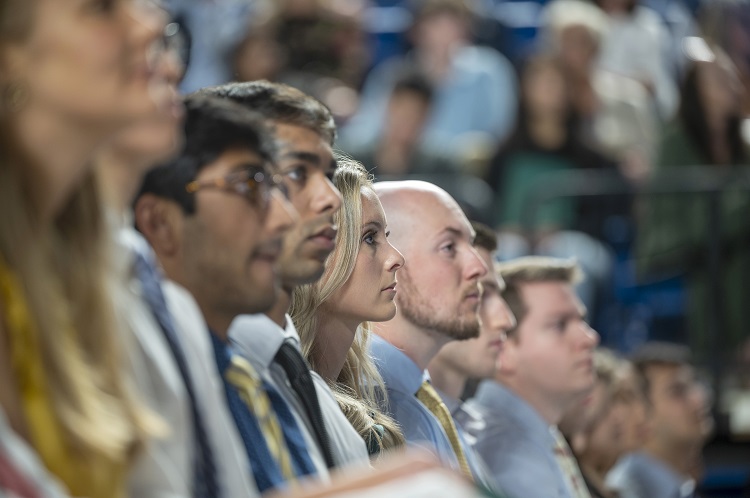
<point x="72" y="73"/>
<point x="332" y="315"/>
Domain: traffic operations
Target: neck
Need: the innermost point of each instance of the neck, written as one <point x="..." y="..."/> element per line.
<point x="547" y="130"/>
<point x="119" y="177"/>
<point x="336" y="335"/>
<point x="550" y="408"/>
<point x="279" y="310"/>
<point x="447" y="378"/>
<point x="218" y="325"/>
<point x="59" y="146"/>
<point x="680" y="458"/>
<point x="418" y="344"/>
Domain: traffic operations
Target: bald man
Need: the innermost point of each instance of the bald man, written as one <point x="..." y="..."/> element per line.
<point x="438" y="298"/>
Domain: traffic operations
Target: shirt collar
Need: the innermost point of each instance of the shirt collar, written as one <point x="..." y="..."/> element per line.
<point x="257" y="338"/>
<point x="399" y="372"/>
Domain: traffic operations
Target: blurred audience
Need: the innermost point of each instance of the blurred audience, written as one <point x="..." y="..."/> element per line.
<point x="704" y="139"/>
<point x="475" y="87"/>
<point x="679" y="420"/>
<point x="636" y="44"/>
<point x="398" y="150"/>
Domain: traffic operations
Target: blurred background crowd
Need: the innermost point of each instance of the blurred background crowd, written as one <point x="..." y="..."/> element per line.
<point x="616" y="132"/>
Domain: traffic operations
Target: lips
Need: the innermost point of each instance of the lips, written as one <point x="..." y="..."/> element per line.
<point x="390" y="287"/>
<point x="329" y="232"/>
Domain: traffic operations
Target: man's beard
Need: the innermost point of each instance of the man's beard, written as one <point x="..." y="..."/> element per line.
<point x="419" y="311"/>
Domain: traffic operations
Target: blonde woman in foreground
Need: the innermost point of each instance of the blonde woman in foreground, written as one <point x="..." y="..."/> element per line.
<point x="332" y="315"/>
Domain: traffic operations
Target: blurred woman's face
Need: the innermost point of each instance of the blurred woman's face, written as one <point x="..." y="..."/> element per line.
<point x="545" y="90"/>
<point x="87" y="63"/>
<point x="155" y="139"/>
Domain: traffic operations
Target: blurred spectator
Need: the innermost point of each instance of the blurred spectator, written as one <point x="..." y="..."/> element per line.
<point x="616" y="111"/>
<point x="726" y="23"/>
<point x="475" y="87"/>
<point x="679" y="422"/>
<point x="545" y="144"/>
<point x="213" y="29"/>
<point x="674" y="229"/>
<point x="595" y="428"/>
<point x="545" y="141"/>
<point x="316" y="46"/>
<point x="398" y="150"/>
<point x="636" y="44"/>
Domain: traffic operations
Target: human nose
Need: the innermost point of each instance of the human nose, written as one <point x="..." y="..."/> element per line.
<point x="146" y="22"/>
<point x="590" y="336"/>
<point x="395" y="260"/>
<point x="326" y="197"/>
<point x="475" y="266"/>
<point x="281" y="215"/>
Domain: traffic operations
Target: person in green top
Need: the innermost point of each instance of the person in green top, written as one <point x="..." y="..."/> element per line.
<point x="674" y="229"/>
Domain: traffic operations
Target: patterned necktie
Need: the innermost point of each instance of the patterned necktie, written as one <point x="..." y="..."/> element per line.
<point x="12" y="482"/>
<point x="205" y="479"/>
<point x="243" y="376"/>
<point x="569" y="466"/>
<point x="431" y="399"/>
<point x="298" y="373"/>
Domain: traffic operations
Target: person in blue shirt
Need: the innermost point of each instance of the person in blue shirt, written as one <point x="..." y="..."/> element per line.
<point x="437" y="303"/>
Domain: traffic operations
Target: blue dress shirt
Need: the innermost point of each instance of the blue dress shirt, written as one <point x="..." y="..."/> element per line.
<point x="517" y="445"/>
<point x="639" y="475"/>
<point x="402" y="379"/>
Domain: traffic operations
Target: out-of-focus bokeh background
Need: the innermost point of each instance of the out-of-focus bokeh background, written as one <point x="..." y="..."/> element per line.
<point x="613" y="131"/>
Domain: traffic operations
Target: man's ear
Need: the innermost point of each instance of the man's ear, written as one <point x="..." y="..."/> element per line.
<point x="160" y="221"/>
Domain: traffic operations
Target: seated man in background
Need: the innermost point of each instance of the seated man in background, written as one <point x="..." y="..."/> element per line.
<point x="679" y="421"/>
<point x="545" y="368"/>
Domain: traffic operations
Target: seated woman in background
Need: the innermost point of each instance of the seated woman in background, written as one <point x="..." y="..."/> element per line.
<point x="72" y="76"/>
<point x="332" y="315"/>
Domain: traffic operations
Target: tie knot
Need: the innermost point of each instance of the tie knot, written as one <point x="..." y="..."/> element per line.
<point x="241" y="371"/>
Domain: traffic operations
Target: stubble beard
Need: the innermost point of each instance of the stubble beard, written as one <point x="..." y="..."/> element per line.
<point x="419" y="311"/>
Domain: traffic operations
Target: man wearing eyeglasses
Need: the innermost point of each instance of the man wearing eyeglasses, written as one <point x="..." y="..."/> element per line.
<point x="305" y="132"/>
<point x="215" y="217"/>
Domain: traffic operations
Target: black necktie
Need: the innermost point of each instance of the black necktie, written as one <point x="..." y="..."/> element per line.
<point x="205" y="482"/>
<point x="298" y="373"/>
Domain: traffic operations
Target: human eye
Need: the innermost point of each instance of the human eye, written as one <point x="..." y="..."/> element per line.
<point x="297" y="174"/>
<point x="449" y="248"/>
<point x="369" y="238"/>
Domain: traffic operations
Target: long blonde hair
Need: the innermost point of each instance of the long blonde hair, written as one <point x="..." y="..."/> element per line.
<point x="61" y="267"/>
<point x="359" y="388"/>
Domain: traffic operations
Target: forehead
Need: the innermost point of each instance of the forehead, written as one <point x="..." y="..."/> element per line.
<point x="372" y="210"/>
<point x="550" y="298"/>
<point x="230" y="161"/>
<point x="438" y="215"/>
<point x="295" y="139"/>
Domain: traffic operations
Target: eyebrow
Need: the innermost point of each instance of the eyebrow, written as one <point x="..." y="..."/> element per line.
<point x="452" y="231"/>
<point x="374" y="223"/>
<point x="309" y="157"/>
<point x="248" y="166"/>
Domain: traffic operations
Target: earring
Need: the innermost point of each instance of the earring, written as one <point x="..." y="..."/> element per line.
<point x="15" y="96"/>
